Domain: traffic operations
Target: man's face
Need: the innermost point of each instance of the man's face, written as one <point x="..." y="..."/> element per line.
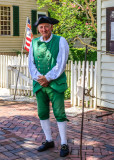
<point x="45" y="29"/>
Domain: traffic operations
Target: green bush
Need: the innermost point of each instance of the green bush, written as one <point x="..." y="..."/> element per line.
<point x="67" y="94"/>
<point x="78" y="54"/>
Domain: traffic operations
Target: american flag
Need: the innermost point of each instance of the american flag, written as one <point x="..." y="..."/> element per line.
<point x="29" y="35"/>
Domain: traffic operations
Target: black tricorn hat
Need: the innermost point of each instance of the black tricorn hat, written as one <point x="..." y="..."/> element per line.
<point x="45" y="19"/>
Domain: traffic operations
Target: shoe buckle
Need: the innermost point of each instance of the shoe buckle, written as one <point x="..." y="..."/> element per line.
<point x="44" y="143"/>
<point x="64" y="147"/>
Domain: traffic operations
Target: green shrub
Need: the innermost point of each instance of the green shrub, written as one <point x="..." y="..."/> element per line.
<point x="67" y="94"/>
<point x="78" y="54"/>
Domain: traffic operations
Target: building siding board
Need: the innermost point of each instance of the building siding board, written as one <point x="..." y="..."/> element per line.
<point x="103" y="35"/>
<point x="103" y="42"/>
<point x="107" y="73"/>
<point x="106" y="62"/>
<point x="103" y="27"/>
<point x="107" y="89"/>
<point x="107" y="58"/>
<point x="108" y="96"/>
<point x="107" y="66"/>
<point x="109" y="105"/>
<point x="109" y="3"/>
<point x="103" y="20"/>
<point x="107" y="81"/>
<point x="11" y="43"/>
<point x="103" y="11"/>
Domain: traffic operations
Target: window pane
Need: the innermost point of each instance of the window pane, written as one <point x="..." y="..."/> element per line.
<point x="1" y="13"/>
<point x="5" y="13"/>
<point x="8" y="8"/>
<point x="8" y="18"/>
<point x="5" y="27"/>
<point x="5" y="8"/>
<point x="5" y="32"/>
<point x="5" y="20"/>
<point x="5" y="17"/>
<point x="8" y="27"/>
<point x="8" y="22"/>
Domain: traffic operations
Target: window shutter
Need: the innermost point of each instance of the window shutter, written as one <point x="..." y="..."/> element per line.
<point x="34" y="19"/>
<point x="49" y="14"/>
<point x="16" y="20"/>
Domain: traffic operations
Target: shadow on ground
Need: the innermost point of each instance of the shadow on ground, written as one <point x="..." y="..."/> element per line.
<point x="21" y="134"/>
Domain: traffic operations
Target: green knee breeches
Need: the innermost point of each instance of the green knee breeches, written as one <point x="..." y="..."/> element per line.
<point x="44" y="96"/>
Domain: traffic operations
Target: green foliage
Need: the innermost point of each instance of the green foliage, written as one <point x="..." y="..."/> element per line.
<point x="73" y="16"/>
<point x="67" y="94"/>
<point x="17" y="52"/>
<point x="78" y="54"/>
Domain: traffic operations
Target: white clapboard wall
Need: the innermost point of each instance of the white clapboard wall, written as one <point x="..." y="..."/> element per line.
<point x="105" y="72"/>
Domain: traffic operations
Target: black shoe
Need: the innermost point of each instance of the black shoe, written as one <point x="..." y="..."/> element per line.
<point x="46" y="145"/>
<point x="64" y="150"/>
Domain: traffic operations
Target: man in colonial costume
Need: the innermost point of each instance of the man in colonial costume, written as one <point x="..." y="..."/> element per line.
<point x="47" y="60"/>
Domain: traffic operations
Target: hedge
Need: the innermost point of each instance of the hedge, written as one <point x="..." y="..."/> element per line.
<point x="78" y="54"/>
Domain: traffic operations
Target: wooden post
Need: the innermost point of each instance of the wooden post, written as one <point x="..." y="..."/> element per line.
<point x="75" y="85"/>
<point x="79" y="74"/>
<point x="72" y="84"/>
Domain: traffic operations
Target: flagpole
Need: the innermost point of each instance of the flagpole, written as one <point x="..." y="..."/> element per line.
<point x="20" y="59"/>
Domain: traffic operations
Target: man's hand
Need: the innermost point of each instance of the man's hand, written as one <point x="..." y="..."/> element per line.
<point x="43" y="81"/>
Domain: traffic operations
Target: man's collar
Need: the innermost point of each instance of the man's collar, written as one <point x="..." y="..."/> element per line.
<point x="41" y="38"/>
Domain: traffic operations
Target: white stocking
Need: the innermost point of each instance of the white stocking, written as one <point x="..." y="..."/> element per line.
<point x="63" y="131"/>
<point x="47" y="129"/>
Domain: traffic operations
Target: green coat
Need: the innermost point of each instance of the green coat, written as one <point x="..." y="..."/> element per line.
<point x="45" y="55"/>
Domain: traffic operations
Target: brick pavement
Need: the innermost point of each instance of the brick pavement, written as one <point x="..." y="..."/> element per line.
<point x="21" y="134"/>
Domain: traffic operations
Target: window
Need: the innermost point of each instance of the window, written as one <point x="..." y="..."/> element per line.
<point x="110" y="30"/>
<point x="40" y="14"/>
<point x="5" y="20"/>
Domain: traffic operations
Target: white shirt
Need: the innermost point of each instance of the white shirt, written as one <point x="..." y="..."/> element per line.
<point x="58" y="69"/>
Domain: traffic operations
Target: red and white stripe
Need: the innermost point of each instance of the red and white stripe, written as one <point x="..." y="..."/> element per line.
<point x="29" y="36"/>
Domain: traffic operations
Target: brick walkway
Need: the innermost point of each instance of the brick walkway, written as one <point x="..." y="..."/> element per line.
<point x="21" y="134"/>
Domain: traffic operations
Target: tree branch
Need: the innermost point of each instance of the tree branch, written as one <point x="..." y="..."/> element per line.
<point x="85" y="43"/>
<point x="82" y="8"/>
<point x="91" y="15"/>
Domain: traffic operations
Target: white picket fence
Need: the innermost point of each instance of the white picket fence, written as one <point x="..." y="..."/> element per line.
<point x="9" y="66"/>
<point x="77" y="72"/>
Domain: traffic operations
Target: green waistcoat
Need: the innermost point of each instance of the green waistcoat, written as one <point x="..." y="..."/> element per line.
<point x="45" y="55"/>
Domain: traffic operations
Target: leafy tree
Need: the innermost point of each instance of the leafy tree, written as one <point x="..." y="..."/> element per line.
<point x="77" y="18"/>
